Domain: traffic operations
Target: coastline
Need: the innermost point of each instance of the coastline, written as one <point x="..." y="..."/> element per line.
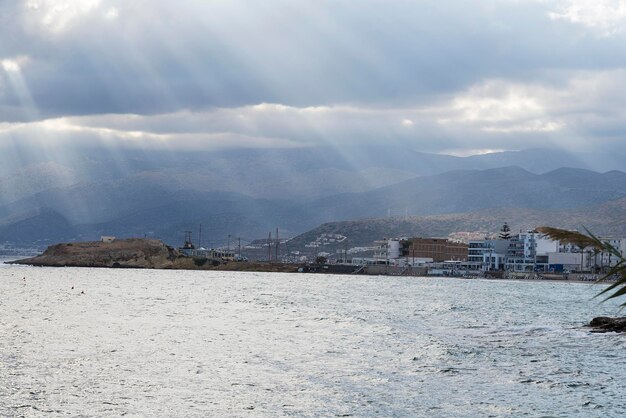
<point x="154" y="254"/>
<point x="590" y="282"/>
<point x="261" y="267"/>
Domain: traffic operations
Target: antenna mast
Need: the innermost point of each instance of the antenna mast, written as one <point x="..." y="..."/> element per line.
<point x="188" y="243"/>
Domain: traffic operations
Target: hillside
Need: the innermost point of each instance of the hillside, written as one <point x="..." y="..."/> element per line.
<point x="605" y="219"/>
<point x="473" y="190"/>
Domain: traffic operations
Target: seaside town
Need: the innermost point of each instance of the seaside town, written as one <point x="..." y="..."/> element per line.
<point x="506" y="255"/>
<point x="526" y="254"/>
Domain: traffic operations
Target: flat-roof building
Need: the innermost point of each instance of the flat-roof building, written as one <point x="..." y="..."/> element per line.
<point x="439" y="249"/>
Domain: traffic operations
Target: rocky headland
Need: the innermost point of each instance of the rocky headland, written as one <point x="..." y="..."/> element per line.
<point x="133" y="253"/>
<point x="138" y="253"/>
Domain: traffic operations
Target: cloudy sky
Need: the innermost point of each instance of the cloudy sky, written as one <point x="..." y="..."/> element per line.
<point x="445" y="76"/>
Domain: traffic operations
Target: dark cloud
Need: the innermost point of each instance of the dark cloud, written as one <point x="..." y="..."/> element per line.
<point x="437" y="75"/>
<point x="163" y="56"/>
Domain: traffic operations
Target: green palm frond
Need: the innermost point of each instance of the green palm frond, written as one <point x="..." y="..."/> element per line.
<point x="571" y="237"/>
<point x="591" y="241"/>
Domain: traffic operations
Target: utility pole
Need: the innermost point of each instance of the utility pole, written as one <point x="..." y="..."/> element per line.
<point x="239" y="250"/>
<point x="277" y="244"/>
<point x="269" y="247"/>
<point x="387" y="245"/>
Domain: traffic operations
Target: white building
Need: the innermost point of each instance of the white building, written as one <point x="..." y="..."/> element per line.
<point x="389" y="252"/>
<point x="567" y="261"/>
<point x="489" y="253"/>
<point x="606" y="259"/>
<point x="387" y="249"/>
<point x="589" y="259"/>
<point x="528" y="251"/>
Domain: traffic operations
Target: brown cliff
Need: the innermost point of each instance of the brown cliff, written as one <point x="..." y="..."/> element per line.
<point x="133" y="253"/>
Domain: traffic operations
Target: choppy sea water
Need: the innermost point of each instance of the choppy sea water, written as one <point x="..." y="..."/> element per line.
<point x="188" y="343"/>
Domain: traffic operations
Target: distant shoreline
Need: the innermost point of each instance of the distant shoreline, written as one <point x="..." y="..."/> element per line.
<point x="533" y="280"/>
<point x="154" y="254"/>
<point x="259" y="267"/>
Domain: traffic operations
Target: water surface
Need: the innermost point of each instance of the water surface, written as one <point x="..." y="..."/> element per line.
<point x="189" y="343"/>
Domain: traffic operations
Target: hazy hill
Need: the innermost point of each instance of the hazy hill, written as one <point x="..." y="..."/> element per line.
<point x="248" y="193"/>
<point x="605" y="219"/>
<point x="472" y="190"/>
<point x="307" y="173"/>
<point x="219" y="214"/>
<point x="33" y="179"/>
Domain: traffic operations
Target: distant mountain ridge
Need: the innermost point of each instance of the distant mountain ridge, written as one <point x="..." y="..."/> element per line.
<point x="471" y="190"/>
<point x="247" y="194"/>
<point x="306" y="173"/>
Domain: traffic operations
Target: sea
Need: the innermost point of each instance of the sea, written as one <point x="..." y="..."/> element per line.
<point x="113" y="342"/>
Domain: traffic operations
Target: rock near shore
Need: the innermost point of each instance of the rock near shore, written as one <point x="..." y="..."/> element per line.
<point x="607" y="324"/>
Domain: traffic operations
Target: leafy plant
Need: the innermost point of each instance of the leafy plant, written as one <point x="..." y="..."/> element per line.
<point x="199" y="261"/>
<point x="591" y="241"/>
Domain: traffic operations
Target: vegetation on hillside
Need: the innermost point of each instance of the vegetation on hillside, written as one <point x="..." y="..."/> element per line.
<point x="505" y="232"/>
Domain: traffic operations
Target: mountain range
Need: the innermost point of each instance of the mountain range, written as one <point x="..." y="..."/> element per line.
<point x="130" y="193"/>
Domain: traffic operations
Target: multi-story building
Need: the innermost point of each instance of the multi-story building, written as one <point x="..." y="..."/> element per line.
<point x="387" y="249"/>
<point x="386" y="252"/>
<point x="528" y="251"/>
<point x="438" y="249"/>
<point x="490" y="254"/>
<point x="533" y="251"/>
<point x="606" y="259"/>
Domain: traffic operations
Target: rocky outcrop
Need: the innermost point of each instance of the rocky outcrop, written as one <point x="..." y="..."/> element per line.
<point x="607" y="324"/>
<point x="139" y="253"/>
<point x="133" y="253"/>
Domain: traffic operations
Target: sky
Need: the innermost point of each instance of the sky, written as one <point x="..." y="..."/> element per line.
<point x="456" y="77"/>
